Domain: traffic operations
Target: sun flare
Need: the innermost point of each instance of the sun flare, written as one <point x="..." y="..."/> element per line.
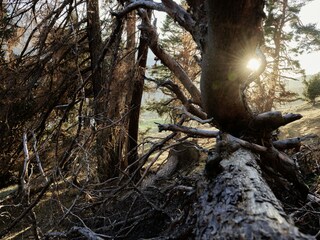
<point x="253" y="64"/>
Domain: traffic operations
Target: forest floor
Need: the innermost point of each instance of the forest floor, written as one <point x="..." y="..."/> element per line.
<point x="309" y="124"/>
<point x="127" y="212"/>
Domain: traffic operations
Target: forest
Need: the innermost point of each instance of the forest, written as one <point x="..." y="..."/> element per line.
<point x="143" y="119"/>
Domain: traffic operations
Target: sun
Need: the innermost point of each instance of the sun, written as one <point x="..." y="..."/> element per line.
<point x="253" y="64"/>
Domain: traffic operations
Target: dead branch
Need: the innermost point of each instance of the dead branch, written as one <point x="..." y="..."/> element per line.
<point x="175" y="11"/>
<point x="184" y="100"/>
<point x="180" y="15"/>
<point x="167" y="60"/>
<point x="195" y="118"/>
<point x="292" y="142"/>
<point x="233" y="142"/>
<point x="140" y="4"/>
<point x="270" y="121"/>
<point x="86" y="232"/>
<point x="35" y="150"/>
<point x="190" y="131"/>
<point x="24" y="179"/>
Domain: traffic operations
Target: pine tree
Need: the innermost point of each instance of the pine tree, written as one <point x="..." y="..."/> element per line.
<point x="285" y="38"/>
<point x="180" y="45"/>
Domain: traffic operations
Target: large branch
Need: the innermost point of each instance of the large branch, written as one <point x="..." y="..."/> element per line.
<point x="270" y="155"/>
<point x="174" y="10"/>
<point x="180" y="15"/>
<point x="240" y="205"/>
<point x="184" y="100"/>
<point x="169" y="61"/>
<point x="270" y="121"/>
<point x="140" y="4"/>
<point x="292" y="142"/>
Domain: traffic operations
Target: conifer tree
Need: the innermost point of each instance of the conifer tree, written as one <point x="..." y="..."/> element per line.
<point x="285" y="38"/>
<point x="180" y="45"/>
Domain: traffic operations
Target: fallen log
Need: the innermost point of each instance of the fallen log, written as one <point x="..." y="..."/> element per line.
<point x="238" y="204"/>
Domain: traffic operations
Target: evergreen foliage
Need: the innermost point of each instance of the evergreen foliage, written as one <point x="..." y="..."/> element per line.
<point x="179" y="44"/>
<point x="312" y="88"/>
<point x="286" y="37"/>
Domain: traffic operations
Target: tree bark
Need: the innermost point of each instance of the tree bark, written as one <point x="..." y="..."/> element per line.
<point x="238" y="204"/>
<point x="98" y="84"/>
<point x="135" y="104"/>
<point x="234" y="32"/>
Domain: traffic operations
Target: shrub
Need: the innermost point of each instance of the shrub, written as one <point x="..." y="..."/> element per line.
<point x="312" y="88"/>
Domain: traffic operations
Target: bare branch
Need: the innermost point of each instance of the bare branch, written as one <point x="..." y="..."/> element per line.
<point x="180" y="15"/>
<point x="174" y="10"/>
<point x="190" y="131"/>
<point x="140" y="4"/>
<point x="24" y="181"/>
<point x="195" y="118"/>
<point x="273" y="120"/>
<point x="292" y="142"/>
<point x="35" y="150"/>
<point x="86" y="232"/>
<point x="167" y="60"/>
<point x="185" y="101"/>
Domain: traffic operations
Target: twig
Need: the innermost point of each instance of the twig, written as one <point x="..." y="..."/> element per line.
<point x="26" y="211"/>
<point x="35" y="149"/>
<point x="24" y="174"/>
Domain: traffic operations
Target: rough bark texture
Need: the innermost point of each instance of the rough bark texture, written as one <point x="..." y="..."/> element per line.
<point x="238" y="204"/>
<point x="234" y="31"/>
<point x="135" y="104"/>
<point x="98" y="80"/>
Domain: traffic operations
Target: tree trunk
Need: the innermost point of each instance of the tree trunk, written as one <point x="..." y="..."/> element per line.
<point x="120" y="93"/>
<point x="234" y="32"/>
<point x="275" y="73"/>
<point x="135" y="104"/>
<point x="99" y="85"/>
<point x="238" y="204"/>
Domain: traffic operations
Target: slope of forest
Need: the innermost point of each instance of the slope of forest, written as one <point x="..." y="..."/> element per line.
<point x="78" y="159"/>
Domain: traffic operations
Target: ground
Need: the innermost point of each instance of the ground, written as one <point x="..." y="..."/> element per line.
<point x="164" y="208"/>
<point x="309" y="124"/>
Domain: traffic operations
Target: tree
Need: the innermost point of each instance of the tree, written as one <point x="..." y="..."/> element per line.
<point x="312" y="88"/>
<point x="234" y="32"/>
<point x="74" y="61"/>
<point x="180" y="45"/>
<point x="225" y="49"/>
<point x="282" y="31"/>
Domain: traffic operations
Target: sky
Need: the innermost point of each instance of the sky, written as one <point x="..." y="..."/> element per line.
<point x="310" y="14"/>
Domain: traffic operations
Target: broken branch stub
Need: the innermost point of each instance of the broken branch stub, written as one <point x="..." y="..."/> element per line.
<point x="270" y="121"/>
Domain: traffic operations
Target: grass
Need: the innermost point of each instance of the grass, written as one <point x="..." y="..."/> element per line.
<point x="309" y="124"/>
<point x="7" y="191"/>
